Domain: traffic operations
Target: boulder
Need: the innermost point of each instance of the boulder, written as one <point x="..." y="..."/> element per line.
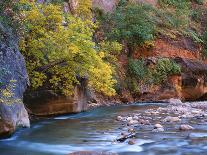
<point x="13" y="82"/>
<point x="49" y="102"/>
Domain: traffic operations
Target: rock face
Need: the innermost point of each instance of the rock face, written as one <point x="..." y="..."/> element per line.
<point x="47" y="102"/>
<point x="194" y="79"/>
<point x="105" y="5"/>
<point x="13" y="79"/>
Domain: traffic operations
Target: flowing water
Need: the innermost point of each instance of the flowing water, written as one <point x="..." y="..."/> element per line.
<point x="96" y="130"/>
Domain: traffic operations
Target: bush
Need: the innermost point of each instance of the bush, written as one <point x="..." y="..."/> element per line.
<point x="137" y="69"/>
<point x="131" y="23"/>
<point x="164" y="68"/>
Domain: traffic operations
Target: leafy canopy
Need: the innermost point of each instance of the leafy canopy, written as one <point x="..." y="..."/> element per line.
<point x="131" y="23"/>
<point x="57" y="53"/>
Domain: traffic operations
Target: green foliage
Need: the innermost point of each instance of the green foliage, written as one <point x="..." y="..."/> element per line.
<point x="204" y="51"/>
<point x="164" y="68"/>
<point x="138" y="69"/>
<point x="150" y="75"/>
<point x="174" y="14"/>
<point x="200" y="2"/>
<point x="57" y="53"/>
<point x="131" y="23"/>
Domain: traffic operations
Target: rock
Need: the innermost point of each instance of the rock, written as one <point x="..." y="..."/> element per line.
<point x="158" y="130"/>
<point x="129" y="119"/>
<point x="156" y="126"/>
<point x="135" y="118"/>
<point x="13" y="76"/>
<point x="196" y="111"/>
<point x="172" y="119"/>
<point x="92" y="153"/>
<point x="132" y="122"/>
<point x="131" y="130"/>
<point x="49" y="102"/>
<point x="131" y="142"/>
<point x="175" y="101"/>
<point x="185" y="127"/>
<point x="105" y="5"/>
<point x="124" y="134"/>
<point x="145" y="122"/>
<point x="119" y="118"/>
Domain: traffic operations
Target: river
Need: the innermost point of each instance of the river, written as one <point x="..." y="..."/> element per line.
<point x="96" y="130"/>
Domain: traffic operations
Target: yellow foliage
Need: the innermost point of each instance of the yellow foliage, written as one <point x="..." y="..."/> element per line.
<point x="48" y="41"/>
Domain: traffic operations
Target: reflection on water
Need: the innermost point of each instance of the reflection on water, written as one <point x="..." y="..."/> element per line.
<point x="96" y="130"/>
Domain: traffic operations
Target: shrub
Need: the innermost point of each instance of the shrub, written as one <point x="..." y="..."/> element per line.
<point x="131" y="23"/>
<point x="164" y="68"/>
<point x="137" y="69"/>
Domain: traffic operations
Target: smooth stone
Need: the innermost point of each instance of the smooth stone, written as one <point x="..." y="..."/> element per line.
<point x="132" y="122"/>
<point x="172" y="119"/>
<point x="156" y="126"/>
<point x="135" y="118"/>
<point x="185" y="127"/>
<point x="119" y="118"/>
<point x="129" y="119"/>
<point x="158" y="130"/>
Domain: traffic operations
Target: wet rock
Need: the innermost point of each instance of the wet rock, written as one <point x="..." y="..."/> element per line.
<point x="145" y="122"/>
<point x="131" y="130"/>
<point x="135" y="118"/>
<point x="156" y="126"/>
<point x="131" y="142"/>
<point x="196" y="111"/>
<point x="172" y="119"/>
<point x="92" y="153"/>
<point x="185" y="127"/>
<point x="175" y="101"/>
<point x="132" y="122"/>
<point x="158" y="130"/>
<point x="119" y="118"/>
<point x="124" y="134"/>
<point x="129" y="119"/>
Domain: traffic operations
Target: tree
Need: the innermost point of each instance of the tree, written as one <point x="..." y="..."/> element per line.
<point x="131" y="23"/>
<point x="57" y="53"/>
